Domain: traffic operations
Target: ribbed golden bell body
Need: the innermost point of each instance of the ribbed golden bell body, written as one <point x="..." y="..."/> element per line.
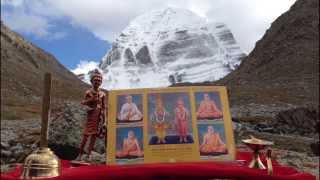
<point x="42" y="163"/>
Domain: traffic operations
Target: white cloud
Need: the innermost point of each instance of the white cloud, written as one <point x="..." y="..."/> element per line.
<point x="247" y="19"/>
<point x="28" y="24"/>
<point x="85" y="66"/>
<point x="32" y="17"/>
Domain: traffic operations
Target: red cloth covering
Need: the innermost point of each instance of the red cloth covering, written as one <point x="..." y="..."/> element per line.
<point x="188" y="170"/>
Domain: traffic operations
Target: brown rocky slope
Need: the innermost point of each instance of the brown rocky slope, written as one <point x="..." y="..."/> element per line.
<point x="284" y="65"/>
<point x="22" y="68"/>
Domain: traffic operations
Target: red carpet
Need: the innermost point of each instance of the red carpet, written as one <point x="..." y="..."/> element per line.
<point x="191" y="170"/>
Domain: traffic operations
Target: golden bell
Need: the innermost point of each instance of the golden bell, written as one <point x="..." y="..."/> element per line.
<point x="42" y="163"/>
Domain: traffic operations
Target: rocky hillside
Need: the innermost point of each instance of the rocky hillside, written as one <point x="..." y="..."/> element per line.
<point x="22" y="68"/>
<point x="284" y="65"/>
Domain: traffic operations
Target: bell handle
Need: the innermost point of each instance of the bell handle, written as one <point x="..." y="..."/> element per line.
<point x="45" y="110"/>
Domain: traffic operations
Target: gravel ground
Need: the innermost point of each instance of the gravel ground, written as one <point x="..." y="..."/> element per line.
<point x="12" y="130"/>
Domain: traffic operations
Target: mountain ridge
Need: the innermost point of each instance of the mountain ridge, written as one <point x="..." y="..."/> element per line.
<point x="170" y="43"/>
<point x="285" y="61"/>
<point x="22" y="68"/>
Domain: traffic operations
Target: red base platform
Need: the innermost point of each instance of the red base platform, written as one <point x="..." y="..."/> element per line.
<point x="188" y="170"/>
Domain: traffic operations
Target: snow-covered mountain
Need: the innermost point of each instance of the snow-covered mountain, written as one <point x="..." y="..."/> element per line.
<point x="170" y="45"/>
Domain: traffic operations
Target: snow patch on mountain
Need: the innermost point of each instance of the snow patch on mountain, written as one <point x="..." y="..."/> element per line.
<point x="169" y="45"/>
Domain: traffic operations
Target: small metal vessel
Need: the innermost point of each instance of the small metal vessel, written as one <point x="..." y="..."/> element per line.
<point x="257" y="145"/>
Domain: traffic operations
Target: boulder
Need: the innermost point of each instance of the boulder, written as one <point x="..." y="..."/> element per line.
<point x="6" y="153"/>
<point x="300" y="121"/>
<point x="66" y="128"/>
<point x="4" y="145"/>
<point x="98" y="158"/>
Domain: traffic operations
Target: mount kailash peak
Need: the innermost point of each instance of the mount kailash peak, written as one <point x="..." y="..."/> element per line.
<point x="167" y="46"/>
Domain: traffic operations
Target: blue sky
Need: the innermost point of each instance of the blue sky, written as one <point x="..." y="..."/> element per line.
<point x="77" y="32"/>
<point x="77" y="44"/>
<point x="71" y="45"/>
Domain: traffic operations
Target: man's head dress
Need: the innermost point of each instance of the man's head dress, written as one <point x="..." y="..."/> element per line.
<point x="95" y="74"/>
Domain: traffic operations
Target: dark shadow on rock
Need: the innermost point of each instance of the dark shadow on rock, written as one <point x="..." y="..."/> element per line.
<point x="64" y="151"/>
<point x="315" y="148"/>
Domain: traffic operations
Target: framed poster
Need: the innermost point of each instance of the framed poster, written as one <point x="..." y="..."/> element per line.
<point x="173" y="124"/>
